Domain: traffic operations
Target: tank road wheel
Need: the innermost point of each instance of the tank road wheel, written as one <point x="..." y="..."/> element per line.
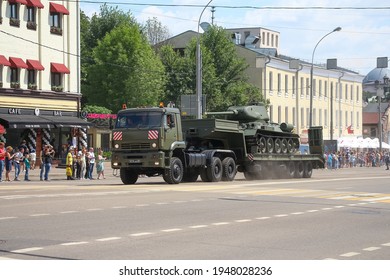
<point x="290" y="169"/>
<point x="299" y="169"/>
<point x="128" y="176"/>
<point x="174" y="174"/>
<point x="262" y="144"/>
<point x="190" y="175"/>
<point x="290" y="146"/>
<point x="214" y="171"/>
<point x="278" y="145"/>
<point x="228" y="169"/>
<point x="308" y="170"/>
<point x="284" y="146"/>
<point x="270" y="145"/>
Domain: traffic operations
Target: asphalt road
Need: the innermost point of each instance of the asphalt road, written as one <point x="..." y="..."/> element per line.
<point x="343" y="214"/>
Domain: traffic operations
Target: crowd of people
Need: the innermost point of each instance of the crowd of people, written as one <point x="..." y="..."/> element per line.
<point x="348" y="158"/>
<point x="20" y="160"/>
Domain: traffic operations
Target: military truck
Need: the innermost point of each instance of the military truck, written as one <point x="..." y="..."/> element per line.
<point x="156" y="141"/>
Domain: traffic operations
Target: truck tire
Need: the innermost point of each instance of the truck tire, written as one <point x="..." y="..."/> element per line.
<point x="228" y="169"/>
<point x="128" y="176"/>
<point x="174" y="174"/>
<point x="299" y="169"/>
<point x="249" y="176"/>
<point x="308" y="170"/>
<point x="214" y="170"/>
<point x="190" y="175"/>
<point x="204" y="175"/>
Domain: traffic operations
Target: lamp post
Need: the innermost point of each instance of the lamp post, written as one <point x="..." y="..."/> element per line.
<point x="381" y="92"/>
<point x="311" y="76"/>
<point x="199" y="70"/>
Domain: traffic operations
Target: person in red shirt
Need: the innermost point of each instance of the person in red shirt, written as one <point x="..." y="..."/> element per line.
<point x="2" y="160"/>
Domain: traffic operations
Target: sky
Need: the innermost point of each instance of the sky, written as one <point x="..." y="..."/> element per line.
<point x="364" y="37"/>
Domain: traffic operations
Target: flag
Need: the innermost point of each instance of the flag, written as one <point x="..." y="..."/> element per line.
<point x="350" y="130"/>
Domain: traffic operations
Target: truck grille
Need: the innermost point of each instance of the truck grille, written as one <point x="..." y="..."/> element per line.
<point x="138" y="146"/>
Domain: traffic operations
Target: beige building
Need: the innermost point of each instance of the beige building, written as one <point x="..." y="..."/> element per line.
<point x="40" y="73"/>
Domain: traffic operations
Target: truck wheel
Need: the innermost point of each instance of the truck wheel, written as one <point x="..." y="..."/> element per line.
<point x="308" y="170"/>
<point x="190" y="175"/>
<point x="174" y="174"/>
<point x="228" y="169"/>
<point x="128" y="177"/>
<point x="299" y="169"/>
<point x="204" y="176"/>
<point x="249" y="176"/>
<point x="214" y="171"/>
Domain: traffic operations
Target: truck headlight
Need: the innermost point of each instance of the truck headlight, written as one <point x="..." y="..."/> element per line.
<point x="154" y="145"/>
<point x="116" y="146"/>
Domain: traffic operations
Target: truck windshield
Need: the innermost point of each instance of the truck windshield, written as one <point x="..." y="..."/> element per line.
<point x="139" y="120"/>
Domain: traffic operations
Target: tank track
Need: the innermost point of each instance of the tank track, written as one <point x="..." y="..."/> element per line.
<point x="273" y="144"/>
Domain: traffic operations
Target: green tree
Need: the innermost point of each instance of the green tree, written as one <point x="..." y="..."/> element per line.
<point x="126" y="70"/>
<point x="96" y="109"/>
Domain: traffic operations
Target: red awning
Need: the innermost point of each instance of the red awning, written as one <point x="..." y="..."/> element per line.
<point x="4" y="61"/>
<point x="23" y="2"/>
<point x="57" y="8"/>
<point x="17" y="63"/>
<point x="34" y="65"/>
<point x="59" y="68"/>
<point x="35" y="3"/>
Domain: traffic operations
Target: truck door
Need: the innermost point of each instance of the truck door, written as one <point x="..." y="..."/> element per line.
<point x="170" y="127"/>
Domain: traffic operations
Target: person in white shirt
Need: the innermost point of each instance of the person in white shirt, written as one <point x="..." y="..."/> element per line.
<point x="91" y="157"/>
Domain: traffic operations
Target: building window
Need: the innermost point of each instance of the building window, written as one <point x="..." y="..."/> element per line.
<point x="263" y="38"/>
<point x="351" y="92"/>
<point x="271" y="88"/>
<point x="320" y="88"/>
<point x="314" y="120"/>
<point x="307" y="88"/>
<point x="341" y="91"/>
<point x="320" y="117"/>
<point x="326" y="89"/>
<point x="314" y="88"/>
<point x="352" y="122"/>
<point x="31" y="21"/>
<point x="105" y="141"/>
<point x="276" y="41"/>
<point x="302" y="86"/>
<point x="302" y="117"/>
<point x="307" y="116"/>
<point x="346" y="92"/>
<point x="267" y="38"/>
<point x="286" y="114"/>
<point x="326" y="117"/>
<point x="357" y="119"/>
<point x="346" y="118"/>
<point x="14" y="15"/>
<point x="279" y="83"/>
<point x="271" y="113"/>
<point x="286" y="84"/>
<point x="357" y="94"/>
<point x="272" y="40"/>
<point x="15" y="78"/>
<point x="31" y="79"/>
<point x="294" y="117"/>
<point x="56" y="82"/>
<point x="279" y="114"/>
<point x="55" y="23"/>
<point x="293" y="86"/>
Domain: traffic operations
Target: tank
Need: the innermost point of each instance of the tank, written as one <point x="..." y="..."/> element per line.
<point x="261" y="135"/>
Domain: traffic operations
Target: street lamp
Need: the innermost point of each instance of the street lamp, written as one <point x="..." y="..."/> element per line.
<point x="311" y="76"/>
<point x="199" y="70"/>
<point x="381" y="92"/>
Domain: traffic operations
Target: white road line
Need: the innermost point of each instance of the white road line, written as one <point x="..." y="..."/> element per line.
<point x="39" y="215"/>
<point x="243" y="221"/>
<point x="339" y="206"/>
<point x="263" y="218"/>
<point x="7" y="218"/>
<point x="386" y="244"/>
<point x="297" y="213"/>
<point x="179" y="201"/>
<point x="26" y="250"/>
<point x="378" y="198"/>
<point x="141" y="234"/>
<point x="171" y="229"/>
<point x="119" y="207"/>
<point x="326" y="208"/>
<point x="220" y="224"/>
<point x="142" y="205"/>
<point x="95" y="209"/>
<point x="161" y="203"/>
<point x="108" y="239"/>
<point x="280" y="215"/>
<point x="198" y="226"/>
<point x="68" y="212"/>
<point x="312" y="211"/>
<point x="352" y="204"/>
<point x="350" y="254"/>
<point x="74" y="243"/>
<point x="370" y="249"/>
<point x="196" y="200"/>
<point x="362" y="203"/>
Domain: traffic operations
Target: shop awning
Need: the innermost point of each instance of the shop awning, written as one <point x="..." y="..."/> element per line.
<point x="58" y="8"/>
<point x="23" y="121"/>
<point x="59" y="68"/>
<point x="17" y="62"/>
<point x="23" y="2"/>
<point x="35" y="3"/>
<point x="4" y="61"/>
<point x="34" y="65"/>
<point x="66" y="121"/>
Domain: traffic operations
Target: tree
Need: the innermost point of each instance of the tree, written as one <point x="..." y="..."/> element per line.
<point x="96" y="109"/>
<point x="155" y="32"/>
<point x="126" y="70"/>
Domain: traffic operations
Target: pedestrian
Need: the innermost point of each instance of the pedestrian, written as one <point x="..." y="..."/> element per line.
<point x="8" y="162"/>
<point x="27" y="167"/>
<point x="100" y="165"/>
<point x="23" y="145"/>
<point x="83" y="163"/>
<point x="47" y="160"/>
<point x="69" y="164"/>
<point x="91" y="157"/>
<point x="18" y="158"/>
<point x="2" y="160"/>
<point x="33" y="158"/>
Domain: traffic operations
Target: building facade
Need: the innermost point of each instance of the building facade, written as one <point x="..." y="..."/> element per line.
<point x="40" y="73"/>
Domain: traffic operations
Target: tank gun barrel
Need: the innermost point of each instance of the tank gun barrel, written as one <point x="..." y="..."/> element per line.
<point x="232" y="112"/>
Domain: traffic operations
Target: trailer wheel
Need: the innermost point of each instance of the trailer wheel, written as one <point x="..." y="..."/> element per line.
<point x="229" y="169"/>
<point x="308" y="171"/>
<point x="128" y="177"/>
<point x="299" y="169"/>
<point x="270" y="145"/>
<point x="174" y="174"/>
<point x="214" y="171"/>
<point x="190" y="175"/>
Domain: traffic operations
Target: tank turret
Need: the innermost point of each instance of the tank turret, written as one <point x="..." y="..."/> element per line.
<point x="261" y="135"/>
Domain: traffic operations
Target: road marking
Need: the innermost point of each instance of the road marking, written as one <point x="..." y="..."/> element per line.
<point x="353" y="204"/>
<point x="243" y="221"/>
<point x="141" y="234"/>
<point x="327" y="208"/>
<point x="119" y="207"/>
<point x="179" y="201"/>
<point x="68" y="212"/>
<point x="312" y="211"/>
<point x="350" y="254"/>
<point x="26" y="250"/>
<point x="160" y="203"/>
<point x="198" y="226"/>
<point x="142" y="205"/>
<point x="7" y="218"/>
<point x="386" y="244"/>
<point x="171" y="229"/>
<point x="108" y="239"/>
<point x="39" y="215"/>
<point x="297" y="213"/>
<point x="339" y="206"/>
<point x="280" y="215"/>
<point x="95" y="209"/>
<point x="74" y="243"/>
<point x="370" y="249"/>
<point x="263" y="218"/>
<point x="220" y="224"/>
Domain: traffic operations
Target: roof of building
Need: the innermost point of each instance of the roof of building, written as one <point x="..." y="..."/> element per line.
<point x="376" y="74"/>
